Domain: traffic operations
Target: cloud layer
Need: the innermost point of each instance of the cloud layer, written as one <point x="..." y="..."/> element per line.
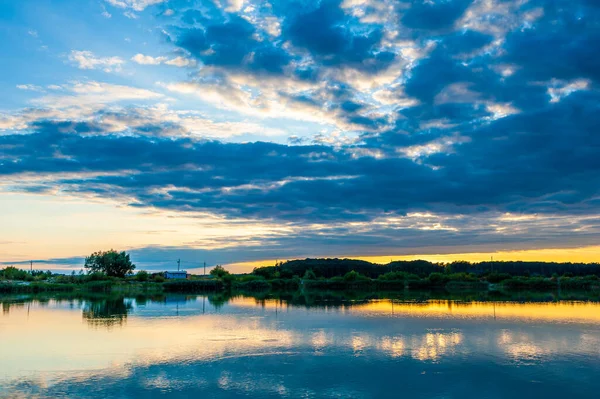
<point x="463" y="110"/>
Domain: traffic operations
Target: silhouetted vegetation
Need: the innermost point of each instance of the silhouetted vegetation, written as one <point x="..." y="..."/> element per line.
<point x="324" y="274"/>
<point x="111" y="263"/>
<point x="328" y="268"/>
<point x="193" y="285"/>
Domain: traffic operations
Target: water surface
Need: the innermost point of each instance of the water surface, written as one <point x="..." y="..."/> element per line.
<point x="194" y="346"/>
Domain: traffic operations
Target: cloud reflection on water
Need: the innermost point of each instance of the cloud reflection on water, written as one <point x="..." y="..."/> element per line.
<point x="271" y="348"/>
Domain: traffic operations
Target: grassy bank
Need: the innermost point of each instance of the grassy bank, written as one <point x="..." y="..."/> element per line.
<point x="448" y="283"/>
<point x="298" y="276"/>
<point x="124" y="287"/>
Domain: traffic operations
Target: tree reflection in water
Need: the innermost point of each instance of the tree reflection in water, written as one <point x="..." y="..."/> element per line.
<point x="106" y="312"/>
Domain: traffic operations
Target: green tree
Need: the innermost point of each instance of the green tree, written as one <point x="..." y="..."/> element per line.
<point x="111" y="263"/>
<point x="310" y="275"/>
<point x="352" y="276"/>
<point x="219" y="272"/>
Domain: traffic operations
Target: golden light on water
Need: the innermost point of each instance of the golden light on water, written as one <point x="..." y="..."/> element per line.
<point x="560" y="312"/>
<point x="56" y="341"/>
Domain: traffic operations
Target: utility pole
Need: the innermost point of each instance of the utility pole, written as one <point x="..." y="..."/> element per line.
<point x="31" y="265"/>
<point x="205" y="268"/>
<point x="178" y="264"/>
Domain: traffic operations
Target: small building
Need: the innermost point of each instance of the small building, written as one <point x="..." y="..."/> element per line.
<point x="180" y="274"/>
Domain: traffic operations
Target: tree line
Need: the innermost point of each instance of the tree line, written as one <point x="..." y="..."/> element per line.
<point x="328" y="268"/>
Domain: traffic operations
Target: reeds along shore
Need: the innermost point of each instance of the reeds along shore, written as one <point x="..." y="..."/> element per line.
<point x="327" y="274"/>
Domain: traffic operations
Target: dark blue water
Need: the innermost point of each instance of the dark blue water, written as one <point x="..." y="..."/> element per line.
<point x="188" y="347"/>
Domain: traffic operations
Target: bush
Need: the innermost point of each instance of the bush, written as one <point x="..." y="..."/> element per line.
<point x="578" y="283"/>
<point x="464" y="277"/>
<point x="495" y="278"/>
<point x="354" y="276"/>
<point x="142" y="275"/>
<point x="219" y="272"/>
<point x="438" y="279"/>
<point x="285" y="284"/>
<point x="249" y="277"/>
<point x="191" y="286"/>
<point x="532" y="283"/>
<point x="267" y="272"/>
<point x="37" y="287"/>
<point x="310" y="275"/>
<point x="254" y="285"/>
<point x="396" y="276"/>
<point x="12" y="273"/>
<point x="96" y="276"/>
<point x="389" y="285"/>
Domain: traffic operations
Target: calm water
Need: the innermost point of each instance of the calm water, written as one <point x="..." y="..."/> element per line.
<point x="180" y="347"/>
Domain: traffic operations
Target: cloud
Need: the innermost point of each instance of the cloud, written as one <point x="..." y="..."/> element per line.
<point x="434" y="15"/>
<point x="464" y="110"/>
<point x="87" y="60"/>
<point x="30" y="87"/>
<point x="148" y="60"/>
<point x="130" y="14"/>
<point x="137" y="5"/>
<point x="179" y="61"/>
<point x="95" y="93"/>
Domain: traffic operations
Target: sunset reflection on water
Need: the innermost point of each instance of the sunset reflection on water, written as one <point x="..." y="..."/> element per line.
<point x="46" y="345"/>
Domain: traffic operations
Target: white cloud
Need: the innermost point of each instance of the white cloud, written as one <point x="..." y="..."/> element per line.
<point x="181" y="62"/>
<point x="32" y="33"/>
<point x="272" y="26"/>
<point x="394" y="96"/>
<point x="183" y="123"/>
<point x="87" y="60"/>
<point x="497" y="17"/>
<point x="234" y="5"/>
<point x="443" y="144"/>
<point x="500" y="110"/>
<point x="267" y="98"/>
<point x="94" y="94"/>
<point x="130" y="15"/>
<point x="558" y="89"/>
<point x="30" y="87"/>
<point x="137" y="5"/>
<point x="106" y="14"/>
<point x="148" y="60"/>
<point x="100" y="102"/>
<point x="457" y="93"/>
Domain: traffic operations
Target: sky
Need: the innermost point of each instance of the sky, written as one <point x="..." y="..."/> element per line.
<point x="243" y="132"/>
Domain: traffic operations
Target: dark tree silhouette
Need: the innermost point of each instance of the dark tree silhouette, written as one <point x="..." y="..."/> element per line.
<point x="111" y="263"/>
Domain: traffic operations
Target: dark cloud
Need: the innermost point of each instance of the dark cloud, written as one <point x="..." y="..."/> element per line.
<point x="231" y="43"/>
<point x="327" y="34"/>
<point x="522" y="162"/>
<point x="434" y="14"/>
<point x="562" y="44"/>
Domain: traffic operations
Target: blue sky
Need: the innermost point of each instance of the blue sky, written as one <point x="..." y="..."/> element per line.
<point x="238" y="131"/>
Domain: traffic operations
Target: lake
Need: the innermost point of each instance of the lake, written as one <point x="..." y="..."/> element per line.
<point x="219" y="347"/>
